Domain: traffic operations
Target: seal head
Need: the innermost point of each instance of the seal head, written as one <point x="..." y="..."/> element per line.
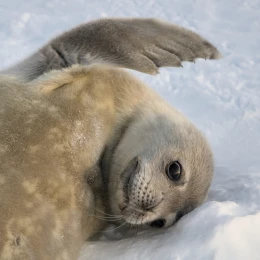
<point x="160" y="170"/>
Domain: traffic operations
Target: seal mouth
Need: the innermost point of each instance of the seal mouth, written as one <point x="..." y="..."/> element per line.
<point x="134" y="212"/>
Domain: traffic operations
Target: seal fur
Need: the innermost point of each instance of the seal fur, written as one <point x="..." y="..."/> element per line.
<point x="55" y="129"/>
<point x="135" y="43"/>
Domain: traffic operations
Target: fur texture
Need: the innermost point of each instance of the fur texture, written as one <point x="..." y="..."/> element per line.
<point x="56" y="128"/>
<point x="139" y="44"/>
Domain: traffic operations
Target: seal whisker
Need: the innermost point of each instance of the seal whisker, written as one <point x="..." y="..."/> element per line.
<point x="110" y="215"/>
<point x="104" y="219"/>
<point x="130" y="227"/>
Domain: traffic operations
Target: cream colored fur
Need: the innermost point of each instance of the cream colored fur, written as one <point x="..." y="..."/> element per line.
<point x="70" y="138"/>
<point x="52" y="135"/>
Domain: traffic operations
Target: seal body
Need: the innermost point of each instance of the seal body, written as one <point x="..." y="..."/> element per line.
<point x="82" y="142"/>
<point x="51" y="194"/>
<point x="50" y="145"/>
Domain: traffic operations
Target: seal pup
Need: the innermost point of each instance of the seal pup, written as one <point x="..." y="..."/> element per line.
<point x="53" y="133"/>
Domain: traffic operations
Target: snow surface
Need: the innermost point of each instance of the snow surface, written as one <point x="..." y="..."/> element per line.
<point x="221" y="97"/>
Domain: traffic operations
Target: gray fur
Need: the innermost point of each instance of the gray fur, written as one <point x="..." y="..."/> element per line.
<point x="56" y="128"/>
<point x="140" y="44"/>
<point x="157" y="135"/>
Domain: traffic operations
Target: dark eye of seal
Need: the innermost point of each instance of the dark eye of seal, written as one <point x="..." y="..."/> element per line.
<point x="159" y="223"/>
<point x="174" y="171"/>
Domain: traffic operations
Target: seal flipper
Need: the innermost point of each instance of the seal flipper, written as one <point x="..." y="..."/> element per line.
<point x="139" y="44"/>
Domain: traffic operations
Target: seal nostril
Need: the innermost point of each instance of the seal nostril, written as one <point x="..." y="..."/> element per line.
<point x="159" y="223"/>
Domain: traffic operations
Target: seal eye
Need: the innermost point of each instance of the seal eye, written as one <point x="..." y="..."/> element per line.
<point x="174" y="171"/>
<point x="159" y="223"/>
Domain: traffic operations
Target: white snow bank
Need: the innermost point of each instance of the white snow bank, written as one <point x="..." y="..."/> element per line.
<point x="230" y="234"/>
<point x="223" y="230"/>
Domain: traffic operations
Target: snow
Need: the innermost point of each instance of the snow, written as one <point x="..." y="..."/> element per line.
<point x="221" y="97"/>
